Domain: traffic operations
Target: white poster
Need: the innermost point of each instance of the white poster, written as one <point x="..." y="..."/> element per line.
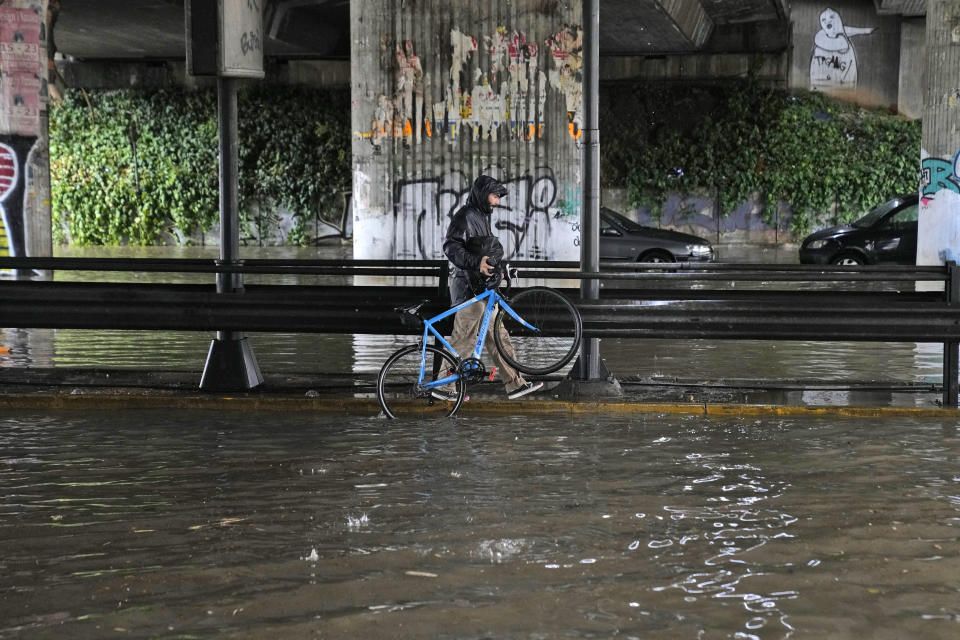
<point x="241" y="38"/>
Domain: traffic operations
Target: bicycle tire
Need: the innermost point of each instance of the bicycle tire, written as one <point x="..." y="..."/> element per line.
<point x="398" y="390"/>
<point x="547" y="350"/>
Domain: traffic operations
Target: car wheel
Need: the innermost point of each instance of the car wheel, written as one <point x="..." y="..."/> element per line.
<point x="848" y="259"/>
<point x="657" y="255"/>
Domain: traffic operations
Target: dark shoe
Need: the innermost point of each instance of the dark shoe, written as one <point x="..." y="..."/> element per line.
<point x="528" y="387"/>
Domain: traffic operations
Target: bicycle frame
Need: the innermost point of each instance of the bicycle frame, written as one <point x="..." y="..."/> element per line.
<point x="492" y="299"/>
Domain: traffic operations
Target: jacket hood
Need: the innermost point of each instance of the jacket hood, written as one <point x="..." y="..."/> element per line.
<point x="482" y="188"/>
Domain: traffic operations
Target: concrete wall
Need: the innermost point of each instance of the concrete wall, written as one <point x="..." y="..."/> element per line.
<point x="842" y="47"/>
<point x="445" y="91"/>
<point x="912" y="54"/>
<point x="106" y="74"/>
<point x="768" y="68"/>
<point x="697" y="215"/>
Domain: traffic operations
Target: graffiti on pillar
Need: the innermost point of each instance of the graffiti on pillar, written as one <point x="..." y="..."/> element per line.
<point x="938" y="231"/>
<point x="14" y="160"/>
<point x="23" y="95"/>
<point x="535" y="221"/>
<point x="936" y="175"/>
<point x="8" y="178"/>
<point x="501" y="94"/>
<point x="833" y="64"/>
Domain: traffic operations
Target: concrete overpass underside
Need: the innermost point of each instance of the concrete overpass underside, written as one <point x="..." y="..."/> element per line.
<point x="298" y="29"/>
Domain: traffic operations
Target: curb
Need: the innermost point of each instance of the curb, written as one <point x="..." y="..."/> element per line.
<point x="369" y="406"/>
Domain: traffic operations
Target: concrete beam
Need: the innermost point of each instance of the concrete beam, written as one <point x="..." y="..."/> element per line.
<point x="690" y="18"/>
<point x="654" y="26"/>
<point x="909" y="8"/>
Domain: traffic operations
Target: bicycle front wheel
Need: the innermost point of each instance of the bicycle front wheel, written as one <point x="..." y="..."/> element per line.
<point x="400" y="392"/>
<point x="557" y="335"/>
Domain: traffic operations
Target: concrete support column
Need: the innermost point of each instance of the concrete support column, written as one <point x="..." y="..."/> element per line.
<point x="24" y="147"/>
<point x="938" y="239"/>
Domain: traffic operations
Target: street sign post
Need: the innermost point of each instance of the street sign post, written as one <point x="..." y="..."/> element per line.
<point x="225" y="38"/>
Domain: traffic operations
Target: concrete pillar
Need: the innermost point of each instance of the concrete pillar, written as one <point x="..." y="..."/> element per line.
<point x="24" y="148"/>
<point x="939" y="221"/>
<point x="912" y="60"/>
<point x="938" y="240"/>
<point x="446" y="90"/>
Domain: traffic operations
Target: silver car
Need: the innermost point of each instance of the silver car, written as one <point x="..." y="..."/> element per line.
<point x="623" y="239"/>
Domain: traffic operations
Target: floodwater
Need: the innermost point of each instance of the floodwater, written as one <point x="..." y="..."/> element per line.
<point x="202" y="524"/>
<point x="363" y="354"/>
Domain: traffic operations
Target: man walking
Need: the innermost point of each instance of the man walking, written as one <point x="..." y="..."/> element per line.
<point x="476" y="253"/>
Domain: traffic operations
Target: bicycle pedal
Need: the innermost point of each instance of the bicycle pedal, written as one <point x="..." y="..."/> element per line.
<point x="493" y="373"/>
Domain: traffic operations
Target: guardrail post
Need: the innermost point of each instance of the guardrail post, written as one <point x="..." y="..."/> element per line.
<point x="443" y="280"/>
<point x="951" y="350"/>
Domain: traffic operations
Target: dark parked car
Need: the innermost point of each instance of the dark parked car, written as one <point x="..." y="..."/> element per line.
<point x="888" y="234"/>
<point x="623" y="239"/>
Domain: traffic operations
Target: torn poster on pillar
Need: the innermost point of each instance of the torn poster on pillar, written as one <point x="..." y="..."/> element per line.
<point x="23" y="65"/>
<point x="500" y="94"/>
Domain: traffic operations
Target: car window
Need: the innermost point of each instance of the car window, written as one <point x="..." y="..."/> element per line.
<point x="605" y="224"/>
<point x="610" y="218"/>
<point x="903" y="218"/>
<point x="876" y="214"/>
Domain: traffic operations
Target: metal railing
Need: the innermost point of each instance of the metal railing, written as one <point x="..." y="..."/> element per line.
<point x="825" y="313"/>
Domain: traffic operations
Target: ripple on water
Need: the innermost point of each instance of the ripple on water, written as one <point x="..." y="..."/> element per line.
<point x="199" y="523"/>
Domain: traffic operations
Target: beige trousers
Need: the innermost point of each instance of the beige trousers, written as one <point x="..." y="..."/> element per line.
<point x="466" y="325"/>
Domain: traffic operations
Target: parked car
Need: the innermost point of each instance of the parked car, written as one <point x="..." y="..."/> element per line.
<point x="623" y="239"/>
<point x="887" y="234"/>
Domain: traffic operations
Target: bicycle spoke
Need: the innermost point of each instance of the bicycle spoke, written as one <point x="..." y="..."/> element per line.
<point x="557" y="337"/>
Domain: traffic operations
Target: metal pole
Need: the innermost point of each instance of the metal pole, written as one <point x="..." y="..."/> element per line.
<point x="231" y="364"/>
<point x="951" y="350"/>
<point x="590" y="227"/>
<point x="229" y="200"/>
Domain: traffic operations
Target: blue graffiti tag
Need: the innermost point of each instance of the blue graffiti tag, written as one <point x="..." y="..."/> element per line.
<point x="938" y="174"/>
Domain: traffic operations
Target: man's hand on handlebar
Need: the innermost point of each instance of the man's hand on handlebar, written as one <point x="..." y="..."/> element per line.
<point x="485" y="267"/>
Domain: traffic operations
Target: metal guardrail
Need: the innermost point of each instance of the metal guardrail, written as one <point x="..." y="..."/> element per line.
<point x="822" y="314"/>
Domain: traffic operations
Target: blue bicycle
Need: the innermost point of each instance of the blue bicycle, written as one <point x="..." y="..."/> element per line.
<point x="544" y="329"/>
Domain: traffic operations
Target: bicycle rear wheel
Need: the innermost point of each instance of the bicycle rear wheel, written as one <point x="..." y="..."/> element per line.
<point x="399" y="390"/>
<point x="556" y="340"/>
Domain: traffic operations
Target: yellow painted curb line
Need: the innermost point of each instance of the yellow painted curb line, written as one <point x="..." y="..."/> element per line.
<point x="479" y="407"/>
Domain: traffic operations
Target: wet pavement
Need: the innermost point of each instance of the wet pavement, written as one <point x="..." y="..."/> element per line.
<point x="172" y="524"/>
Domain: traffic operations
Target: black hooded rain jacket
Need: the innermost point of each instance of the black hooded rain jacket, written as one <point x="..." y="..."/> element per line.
<point x="471" y="221"/>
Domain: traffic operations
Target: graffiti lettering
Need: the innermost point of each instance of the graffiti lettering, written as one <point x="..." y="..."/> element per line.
<point x="250" y="41"/>
<point x="937" y="175"/>
<point x="528" y="223"/>
<point x="14" y="151"/>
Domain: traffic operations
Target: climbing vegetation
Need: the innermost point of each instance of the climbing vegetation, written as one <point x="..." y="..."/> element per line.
<point x="128" y="167"/>
<point x="826" y="159"/>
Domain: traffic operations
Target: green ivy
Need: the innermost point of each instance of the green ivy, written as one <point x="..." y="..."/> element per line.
<point x="294" y="153"/>
<point x="828" y="160"/>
